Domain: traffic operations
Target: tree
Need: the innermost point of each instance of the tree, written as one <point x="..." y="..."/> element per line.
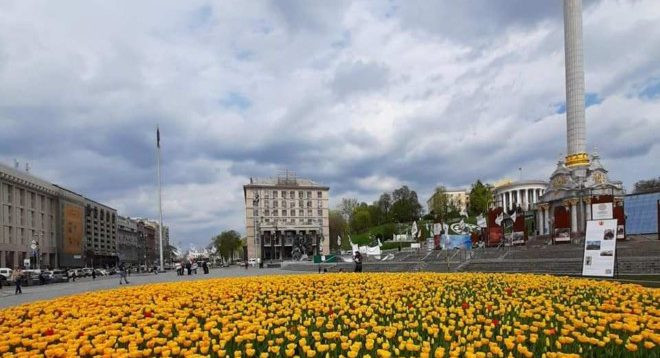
<point x="647" y="186"/>
<point x="480" y="198"/>
<point x="338" y="226"/>
<point x="347" y="206"/>
<point x="440" y="204"/>
<point x="405" y="207"/>
<point x="228" y="242"/>
<point x="360" y="220"/>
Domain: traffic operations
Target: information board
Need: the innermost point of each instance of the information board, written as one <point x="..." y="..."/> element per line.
<point x="599" y="248"/>
<point x="601" y="211"/>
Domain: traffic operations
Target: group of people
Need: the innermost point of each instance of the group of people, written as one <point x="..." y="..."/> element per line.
<point x="190" y="267"/>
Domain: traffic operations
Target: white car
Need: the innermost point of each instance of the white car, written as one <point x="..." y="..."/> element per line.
<point x="6" y="272"/>
<point x="253" y="262"/>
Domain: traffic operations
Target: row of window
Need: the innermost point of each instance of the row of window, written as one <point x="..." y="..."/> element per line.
<point x="292" y="221"/>
<point x="100" y="214"/>
<point x="23" y="219"/>
<point x="24" y="236"/>
<point x="292" y="194"/>
<point x="284" y="212"/>
<point x="23" y="195"/>
<point x="291" y="204"/>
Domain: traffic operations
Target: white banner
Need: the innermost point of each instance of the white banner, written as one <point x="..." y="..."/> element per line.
<point x="601" y="211"/>
<point x="599" y="248"/>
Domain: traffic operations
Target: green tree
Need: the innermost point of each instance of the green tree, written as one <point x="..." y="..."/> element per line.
<point x="347" y="206"/>
<point x="405" y="206"/>
<point x="338" y="227"/>
<point x="360" y="220"/>
<point x="440" y="204"/>
<point x="481" y="196"/>
<point x="228" y="242"/>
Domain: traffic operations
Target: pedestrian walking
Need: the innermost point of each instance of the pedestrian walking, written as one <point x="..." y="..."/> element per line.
<point x="17" y="276"/>
<point x="205" y="267"/>
<point x="189" y="268"/>
<point x="73" y="275"/>
<point x="93" y="274"/>
<point x="122" y="274"/>
<point x="358" y="261"/>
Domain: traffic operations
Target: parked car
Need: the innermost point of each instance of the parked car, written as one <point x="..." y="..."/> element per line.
<point x="101" y="272"/>
<point x="78" y="273"/>
<point x="6" y="272"/>
<point x="252" y="262"/>
<point x="87" y="271"/>
<point x="59" y="276"/>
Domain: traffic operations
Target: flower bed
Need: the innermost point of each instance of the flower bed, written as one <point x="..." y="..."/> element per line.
<point x="351" y="315"/>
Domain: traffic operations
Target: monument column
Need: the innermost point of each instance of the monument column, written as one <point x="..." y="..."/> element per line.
<point x="576" y="154"/>
<point x="573" y="206"/>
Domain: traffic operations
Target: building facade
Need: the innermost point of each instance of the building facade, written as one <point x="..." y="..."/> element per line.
<point x="524" y="194"/>
<point x="100" y="234"/>
<point x="286" y="218"/>
<point x="28" y="213"/>
<point x="152" y="241"/>
<point x="128" y="239"/>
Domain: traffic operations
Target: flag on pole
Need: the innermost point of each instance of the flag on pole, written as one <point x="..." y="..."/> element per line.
<point x="499" y="219"/>
<point x="514" y="216"/>
<point x="157" y="137"/>
<point x="338" y="240"/>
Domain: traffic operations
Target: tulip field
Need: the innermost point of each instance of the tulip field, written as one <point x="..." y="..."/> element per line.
<point x="345" y="315"/>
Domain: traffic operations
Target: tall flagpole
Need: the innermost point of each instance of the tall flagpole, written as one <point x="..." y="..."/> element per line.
<point x="160" y="205"/>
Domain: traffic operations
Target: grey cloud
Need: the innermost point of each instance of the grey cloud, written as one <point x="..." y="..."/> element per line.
<point x="358" y="77"/>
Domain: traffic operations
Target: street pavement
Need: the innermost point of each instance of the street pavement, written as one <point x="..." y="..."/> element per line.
<point x="87" y="284"/>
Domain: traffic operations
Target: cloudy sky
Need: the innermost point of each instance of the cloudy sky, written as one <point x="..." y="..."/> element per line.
<point x="360" y="96"/>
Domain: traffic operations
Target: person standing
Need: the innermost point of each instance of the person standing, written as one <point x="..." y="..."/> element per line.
<point x="93" y="273"/>
<point x="205" y="267"/>
<point x="358" y="261"/>
<point x="17" y="276"/>
<point x="122" y="274"/>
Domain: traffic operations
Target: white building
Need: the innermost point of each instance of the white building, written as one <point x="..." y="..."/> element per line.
<point x="523" y="194"/>
<point x="289" y="216"/>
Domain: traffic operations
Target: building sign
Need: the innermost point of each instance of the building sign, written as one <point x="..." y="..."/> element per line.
<point x="599" y="248"/>
<point x="72" y="237"/>
<point x="601" y="211"/>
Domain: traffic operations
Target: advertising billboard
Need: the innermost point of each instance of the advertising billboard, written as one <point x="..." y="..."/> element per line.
<point x="72" y="236"/>
<point x="599" y="248"/>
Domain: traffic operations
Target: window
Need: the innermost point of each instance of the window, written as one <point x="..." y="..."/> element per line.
<point x="309" y="212"/>
<point x="292" y="204"/>
<point x="301" y="203"/>
<point x="255" y="212"/>
<point x="320" y="212"/>
<point x="309" y="195"/>
<point x="283" y="194"/>
<point x="274" y="212"/>
<point x="33" y="200"/>
<point x="283" y="212"/>
<point x="291" y="194"/>
<point x="301" y="212"/>
<point x="22" y="216"/>
<point x="300" y="195"/>
<point x="42" y="199"/>
<point x="320" y="204"/>
<point x="274" y="194"/>
<point x="319" y="194"/>
<point x="21" y="197"/>
<point x="309" y="203"/>
<point x="274" y="203"/>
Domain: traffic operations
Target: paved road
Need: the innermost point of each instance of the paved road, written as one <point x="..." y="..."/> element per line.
<point x="35" y="293"/>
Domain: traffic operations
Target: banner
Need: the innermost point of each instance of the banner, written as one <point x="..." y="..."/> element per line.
<point x="601" y="211"/>
<point x="599" y="248"/>
<point x="514" y="238"/>
<point x="456" y="242"/>
<point x="72" y="242"/>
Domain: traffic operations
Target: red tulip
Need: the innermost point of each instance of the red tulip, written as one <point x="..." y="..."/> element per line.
<point x="465" y="305"/>
<point x="495" y="322"/>
<point x="49" y="332"/>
